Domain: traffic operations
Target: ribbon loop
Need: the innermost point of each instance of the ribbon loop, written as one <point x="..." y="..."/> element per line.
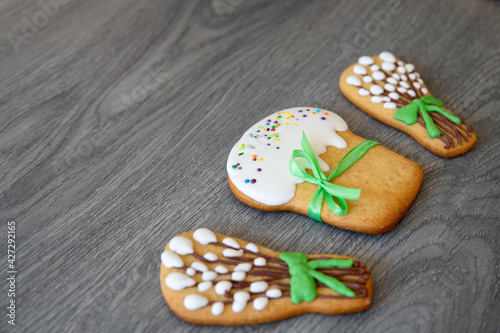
<point x="409" y="113"/>
<point x="327" y="190"/>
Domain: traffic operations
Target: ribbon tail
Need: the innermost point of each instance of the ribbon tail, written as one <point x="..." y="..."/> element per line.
<point x="429" y="123"/>
<point x="314" y="208"/>
<point x="302" y="288"/>
<point x="328" y="263"/>
<point x="332" y="283"/>
<point x="352" y="157"/>
<point x="445" y="113"/>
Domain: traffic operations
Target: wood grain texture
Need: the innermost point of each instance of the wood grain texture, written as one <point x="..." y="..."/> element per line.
<point x="117" y="118"/>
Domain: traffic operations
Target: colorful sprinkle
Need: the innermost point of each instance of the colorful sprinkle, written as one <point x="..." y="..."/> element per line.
<point x="240" y="154"/>
<point x="259" y="170"/>
<point x="253" y="181"/>
<point x="247" y="181"/>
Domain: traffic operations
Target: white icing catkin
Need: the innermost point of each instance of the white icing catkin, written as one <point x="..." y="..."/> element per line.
<point x="204" y="236"/>
<point x="194" y="302"/>
<point x="181" y="245"/>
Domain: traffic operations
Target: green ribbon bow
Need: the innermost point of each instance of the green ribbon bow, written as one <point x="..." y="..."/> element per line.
<point x="326" y="189"/>
<point x="303" y="272"/>
<point x="409" y="113"/>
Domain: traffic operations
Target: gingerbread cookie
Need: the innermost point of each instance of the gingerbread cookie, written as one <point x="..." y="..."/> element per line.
<point x="212" y="279"/>
<point x="393" y="92"/>
<point x="354" y="184"/>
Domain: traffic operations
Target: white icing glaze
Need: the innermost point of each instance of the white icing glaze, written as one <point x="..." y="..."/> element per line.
<point x="221" y="269"/>
<point x="260" y="303"/>
<point x="179" y="281"/>
<point x="363" y="92"/>
<point x="365" y="60"/>
<point x="392" y="80"/>
<point x="258" y="287"/>
<point x="190" y="271"/>
<point x="260" y="262"/>
<point x="390" y="105"/>
<point x="240" y="301"/>
<point x="195" y="302"/>
<point x="231" y="242"/>
<point x="416" y="85"/>
<point x="360" y="70"/>
<point x="170" y="259"/>
<point x="274" y="184"/>
<point x="401" y="90"/>
<point x="210" y="256"/>
<point x="411" y="93"/>
<point x="409" y="68"/>
<point x="204" y="286"/>
<point x="387" y="56"/>
<point x="374" y="68"/>
<point x="378" y="75"/>
<point x="238" y="276"/>
<point x="204" y="236"/>
<point x="404" y="84"/>
<point x="353" y="81"/>
<point x="396" y="76"/>
<point x="404" y="77"/>
<point x="181" y="245"/>
<point x="376" y="99"/>
<point x="424" y="91"/>
<point x="376" y="89"/>
<point x="420" y="81"/>
<point x="217" y="308"/>
<point x="232" y="253"/>
<point x="386" y="99"/>
<point x="222" y="286"/>
<point x="252" y="247"/>
<point x="394" y="96"/>
<point x="209" y="276"/>
<point x="388" y="66"/>
<point x="244" y="267"/>
<point x="400" y="63"/>
<point x="401" y="69"/>
<point x="199" y="266"/>
<point x="412" y="76"/>
<point x="273" y="293"/>
<point x="367" y="79"/>
<point x="389" y="87"/>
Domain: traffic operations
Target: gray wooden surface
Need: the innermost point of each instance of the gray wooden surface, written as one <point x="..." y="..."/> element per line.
<point x="117" y="118"/>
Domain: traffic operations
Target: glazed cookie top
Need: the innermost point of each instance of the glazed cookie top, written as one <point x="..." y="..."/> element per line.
<point x="258" y="165"/>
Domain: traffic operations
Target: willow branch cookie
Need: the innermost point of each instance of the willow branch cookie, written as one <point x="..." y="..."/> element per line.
<point x="212" y="279"/>
<point x="393" y="92"/>
<point x="352" y="183"/>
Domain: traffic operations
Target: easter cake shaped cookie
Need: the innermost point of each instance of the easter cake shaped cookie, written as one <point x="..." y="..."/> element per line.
<point x="306" y="160"/>
<point x="212" y="279"/>
<point x="391" y="91"/>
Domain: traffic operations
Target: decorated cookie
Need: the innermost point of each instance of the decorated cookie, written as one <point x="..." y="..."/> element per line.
<point x="393" y="92"/>
<point x="351" y="183"/>
<point x="212" y="279"/>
